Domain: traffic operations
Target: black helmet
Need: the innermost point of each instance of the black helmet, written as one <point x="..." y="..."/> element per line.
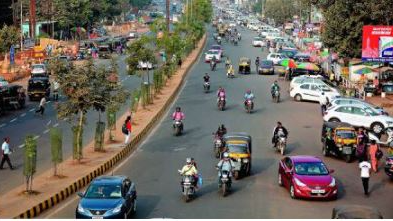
<point x="178" y="109"/>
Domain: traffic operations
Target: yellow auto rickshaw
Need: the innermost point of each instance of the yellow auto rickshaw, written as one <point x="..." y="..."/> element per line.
<point x="238" y="145"/>
<point x="244" y="66"/>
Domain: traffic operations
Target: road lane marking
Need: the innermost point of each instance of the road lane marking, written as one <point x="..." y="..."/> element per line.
<point x="45" y="131"/>
<point x="56" y="124"/>
<point x="36" y="137"/>
<point x="179" y="149"/>
<point x="13" y="120"/>
<point x="31" y="110"/>
<point x="3" y="125"/>
<point x="22" y="115"/>
<point x="47" y="124"/>
<point x="21" y="146"/>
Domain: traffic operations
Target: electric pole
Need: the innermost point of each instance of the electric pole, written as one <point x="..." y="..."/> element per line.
<point x="32" y="20"/>
<point x="167" y="15"/>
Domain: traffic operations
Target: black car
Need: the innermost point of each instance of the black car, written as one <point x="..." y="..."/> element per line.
<point x="109" y="197"/>
<point x="266" y="67"/>
<point x="12" y="97"/>
<point x="38" y="87"/>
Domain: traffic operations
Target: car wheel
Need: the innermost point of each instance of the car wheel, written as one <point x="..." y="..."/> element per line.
<point x="334" y="120"/>
<point x="292" y="191"/>
<point x="280" y="179"/>
<point x="298" y="97"/>
<point x="377" y="127"/>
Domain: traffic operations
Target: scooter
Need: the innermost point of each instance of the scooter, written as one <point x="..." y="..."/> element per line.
<point x="188" y="188"/>
<point x="276" y="96"/>
<point x="281" y="144"/>
<point x="225" y="182"/>
<point x="177" y="127"/>
<point x="230" y="74"/>
<point x="249" y="106"/>
<point x="389" y="140"/>
<point x="212" y="65"/>
<point x="206" y="87"/>
<point x="221" y="103"/>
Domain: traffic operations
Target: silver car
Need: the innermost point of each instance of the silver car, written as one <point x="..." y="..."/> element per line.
<point x="348" y="100"/>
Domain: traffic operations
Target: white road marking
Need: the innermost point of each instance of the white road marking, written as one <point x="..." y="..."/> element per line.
<point x="56" y="124"/>
<point x="3" y="125"/>
<point x="31" y="110"/>
<point x="47" y="124"/>
<point x="13" y="120"/>
<point x="22" y="115"/>
<point x="45" y="131"/>
<point x="36" y="137"/>
<point x="179" y="149"/>
<point x="21" y="146"/>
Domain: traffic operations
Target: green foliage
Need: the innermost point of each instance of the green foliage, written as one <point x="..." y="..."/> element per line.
<point x="30" y="161"/>
<point x="136" y="95"/>
<point x="9" y="35"/>
<point x="56" y="141"/>
<point x="280" y="10"/>
<point x="139" y="51"/>
<point x="140" y="3"/>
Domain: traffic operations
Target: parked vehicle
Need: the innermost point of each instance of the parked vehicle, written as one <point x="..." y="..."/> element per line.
<point x="389" y="166"/>
<point x="3" y="82"/>
<point x="359" y="116"/>
<point x="296" y="81"/>
<point x="388" y="142"/>
<point x="306" y="177"/>
<point x="12" y="97"/>
<point x="276" y="58"/>
<point x="257" y="42"/>
<point x="312" y="92"/>
<point x="104" y="52"/>
<point x="290" y="53"/>
<point x="302" y="57"/>
<point x="339" y="139"/>
<point x="109" y="197"/>
<point x="38" y="87"/>
<point x="38" y="69"/>
<point x="349" y="100"/>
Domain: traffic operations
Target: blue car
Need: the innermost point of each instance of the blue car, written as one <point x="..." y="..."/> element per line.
<point x="266" y="67"/>
<point x="107" y="197"/>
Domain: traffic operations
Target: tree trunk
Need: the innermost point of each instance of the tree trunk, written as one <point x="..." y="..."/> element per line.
<point x="31" y="184"/>
<point x="55" y="169"/>
<point x="79" y="134"/>
<point x="27" y="183"/>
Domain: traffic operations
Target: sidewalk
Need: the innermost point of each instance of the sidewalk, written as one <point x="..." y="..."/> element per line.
<point x="386" y="103"/>
<point x="51" y="190"/>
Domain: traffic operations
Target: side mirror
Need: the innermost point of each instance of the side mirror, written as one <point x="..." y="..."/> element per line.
<point x="80" y="194"/>
<point x="331" y="171"/>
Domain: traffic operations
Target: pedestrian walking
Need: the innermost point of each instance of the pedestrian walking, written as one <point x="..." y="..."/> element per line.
<point x="56" y="87"/>
<point x="41" y="108"/>
<point x="6" y="152"/>
<point x="373" y="148"/>
<point x="126" y="129"/>
<point x="323" y="101"/>
<point x="365" y="168"/>
<point x="361" y="149"/>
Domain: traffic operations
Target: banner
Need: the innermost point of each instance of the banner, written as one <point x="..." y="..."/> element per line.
<point x="377" y="43"/>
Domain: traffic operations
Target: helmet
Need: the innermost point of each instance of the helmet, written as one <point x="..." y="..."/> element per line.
<point x="188" y="160"/>
<point x="226" y="155"/>
<point x="178" y="108"/>
<point x="248" y="91"/>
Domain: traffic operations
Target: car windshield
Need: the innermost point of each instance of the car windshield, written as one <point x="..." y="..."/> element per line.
<point x="257" y="39"/>
<point x="237" y="148"/>
<point x="103" y="191"/>
<point x="38" y="66"/>
<point x="346" y="134"/>
<point x="311" y="169"/>
<point x="267" y="63"/>
<point x="213" y="52"/>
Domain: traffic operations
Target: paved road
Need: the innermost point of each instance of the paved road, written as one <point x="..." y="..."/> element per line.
<point x="154" y="165"/>
<point x="18" y="124"/>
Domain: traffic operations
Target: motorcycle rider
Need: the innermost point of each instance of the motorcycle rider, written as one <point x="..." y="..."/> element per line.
<point x="227" y="62"/>
<point x="190" y="170"/>
<point x="213" y="63"/>
<point x="221" y="131"/>
<point x="206" y="78"/>
<point x="257" y="63"/>
<point x="178" y="115"/>
<point x="275" y="87"/>
<point x="230" y="71"/>
<point x="225" y="164"/>
<point x="277" y="130"/>
<point x="221" y="94"/>
<point x="249" y="96"/>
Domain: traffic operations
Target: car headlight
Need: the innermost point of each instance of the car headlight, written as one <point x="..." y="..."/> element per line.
<point x="81" y="209"/>
<point x="333" y="183"/>
<point x="299" y="183"/>
<point x="245" y="160"/>
<point x="239" y="160"/>
<point x="117" y="209"/>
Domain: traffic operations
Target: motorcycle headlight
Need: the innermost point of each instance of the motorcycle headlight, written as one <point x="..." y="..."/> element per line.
<point x="245" y="160"/>
<point x="117" y="209"/>
<point x="239" y="160"/>
<point x="333" y="183"/>
<point x="187" y="180"/>
<point x="299" y="183"/>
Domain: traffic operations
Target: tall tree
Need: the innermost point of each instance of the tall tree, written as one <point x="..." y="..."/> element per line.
<point x="9" y="35"/>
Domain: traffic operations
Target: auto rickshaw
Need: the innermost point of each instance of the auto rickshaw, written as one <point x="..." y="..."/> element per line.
<point x="339" y="139"/>
<point x="244" y="66"/>
<point x="238" y="145"/>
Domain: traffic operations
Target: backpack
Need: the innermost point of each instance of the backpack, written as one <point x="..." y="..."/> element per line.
<point x="360" y="150"/>
<point x="124" y="129"/>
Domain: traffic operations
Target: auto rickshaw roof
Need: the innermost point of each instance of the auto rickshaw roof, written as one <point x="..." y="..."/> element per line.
<point x="244" y="59"/>
<point x="335" y="125"/>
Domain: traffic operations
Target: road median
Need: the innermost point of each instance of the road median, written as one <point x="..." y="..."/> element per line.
<point x="51" y="190"/>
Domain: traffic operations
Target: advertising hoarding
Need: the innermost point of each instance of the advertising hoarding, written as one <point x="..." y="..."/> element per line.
<point x="377" y="43"/>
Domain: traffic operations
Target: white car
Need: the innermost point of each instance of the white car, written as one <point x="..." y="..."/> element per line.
<point x="232" y="24"/>
<point x="257" y="42"/>
<point x="132" y="35"/>
<point x="275" y="57"/>
<point x="350" y="100"/>
<point x="38" y="69"/>
<point x="212" y="53"/>
<point x="296" y="81"/>
<point x="273" y="35"/>
<point x="358" y="116"/>
<point x="312" y="92"/>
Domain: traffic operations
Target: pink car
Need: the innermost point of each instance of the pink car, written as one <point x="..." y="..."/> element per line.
<point x="307" y="177"/>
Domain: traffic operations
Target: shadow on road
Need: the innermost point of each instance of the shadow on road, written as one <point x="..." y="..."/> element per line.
<point x="146" y="205"/>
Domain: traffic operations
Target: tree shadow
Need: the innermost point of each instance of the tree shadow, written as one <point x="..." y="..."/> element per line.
<point x="146" y="205"/>
<point x="291" y="147"/>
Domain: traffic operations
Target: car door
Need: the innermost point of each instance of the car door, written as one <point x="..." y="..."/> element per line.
<point x="288" y="166"/>
<point x="360" y="117"/>
<point x="345" y="114"/>
<point x="315" y="92"/>
<point x="305" y="91"/>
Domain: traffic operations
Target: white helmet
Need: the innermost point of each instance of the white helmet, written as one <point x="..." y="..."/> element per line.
<point x="188" y="160"/>
<point x="226" y="155"/>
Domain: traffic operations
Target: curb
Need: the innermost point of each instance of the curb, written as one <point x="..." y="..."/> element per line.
<point x="82" y="182"/>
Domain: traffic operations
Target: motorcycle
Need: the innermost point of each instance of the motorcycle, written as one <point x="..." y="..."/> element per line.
<point x="281" y="143"/>
<point x="219" y="40"/>
<point x="249" y="106"/>
<point x="218" y="145"/>
<point x="221" y="103"/>
<point x="389" y="167"/>
<point x="225" y="182"/>
<point x="206" y="87"/>
<point x="230" y="74"/>
<point x="235" y="42"/>
<point x="212" y="65"/>
<point x="177" y="127"/>
<point x="276" y="96"/>
<point x="188" y="188"/>
<point x="389" y="140"/>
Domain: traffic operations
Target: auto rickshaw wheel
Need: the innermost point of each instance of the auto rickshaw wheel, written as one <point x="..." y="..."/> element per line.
<point x="325" y="152"/>
<point x="348" y="158"/>
<point x="236" y="175"/>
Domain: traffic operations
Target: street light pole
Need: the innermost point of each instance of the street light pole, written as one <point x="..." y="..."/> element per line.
<point x="167" y="15"/>
<point x="21" y="25"/>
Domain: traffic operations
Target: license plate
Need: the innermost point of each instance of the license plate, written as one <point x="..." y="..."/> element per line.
<point x="347" y="150"/>
<point x="97" y="217"/>
<point x="317" y="191"/>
